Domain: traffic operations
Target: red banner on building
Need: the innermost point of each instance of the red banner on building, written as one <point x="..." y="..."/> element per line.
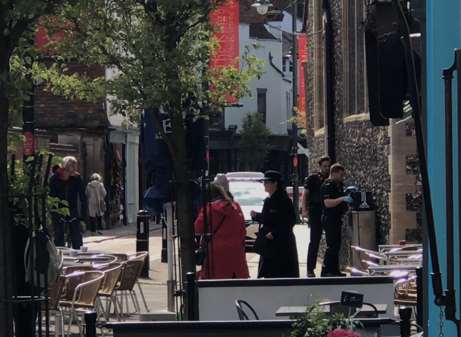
<point x="225" y="20"/>
<point x="302" y="66"/>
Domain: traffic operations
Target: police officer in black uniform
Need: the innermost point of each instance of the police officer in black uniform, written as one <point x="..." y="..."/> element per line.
<point x="312" y="209"/>
<point x="334" y="206"/>
<point x="278" y="218"/>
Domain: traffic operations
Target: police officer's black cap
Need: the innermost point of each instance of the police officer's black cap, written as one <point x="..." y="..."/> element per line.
<point x="272" y="175"/>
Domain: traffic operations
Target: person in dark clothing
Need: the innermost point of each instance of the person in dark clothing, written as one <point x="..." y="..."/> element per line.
<point x="67" y="184"/>
<point x="335" y="205"/>
<point x="278" y="219"/>
<point x="312" y="209"/>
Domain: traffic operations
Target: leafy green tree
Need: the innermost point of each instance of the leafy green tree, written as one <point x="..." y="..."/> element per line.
<point x="17" y="24"/>
<point x="160" y="51"/>
<point x="254" y="139"/>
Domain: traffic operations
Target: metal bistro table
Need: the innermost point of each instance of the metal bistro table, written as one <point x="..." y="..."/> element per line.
<point x="294" y="312"/>
<point x="393" y="267"/>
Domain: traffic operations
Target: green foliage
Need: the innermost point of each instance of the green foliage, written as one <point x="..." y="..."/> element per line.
<point x="18" y="22"/>
<point x="19" y="182"/>
<point x="317" y="323"/>
<point x="159" y="53"/>
<point x="232" y="81"/>
<point x="254" y="139"/>
<point x="14" y="139"/>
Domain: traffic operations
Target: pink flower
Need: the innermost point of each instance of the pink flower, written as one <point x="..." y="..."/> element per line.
<point x="343" y="333"/>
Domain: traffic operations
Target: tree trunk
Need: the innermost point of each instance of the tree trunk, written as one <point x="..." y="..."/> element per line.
<point x="184" y="203"/>
<point x="6" y="284"/>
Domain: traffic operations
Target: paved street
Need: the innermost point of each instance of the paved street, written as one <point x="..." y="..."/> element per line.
<point x="123" y="240"/>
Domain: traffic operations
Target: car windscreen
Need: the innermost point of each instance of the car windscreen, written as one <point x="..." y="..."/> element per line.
<point x="248" y="193"/>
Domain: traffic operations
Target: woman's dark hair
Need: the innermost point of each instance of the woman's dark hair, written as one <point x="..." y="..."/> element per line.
<point x="324" y="159"/>
<point x="218" y="192"/>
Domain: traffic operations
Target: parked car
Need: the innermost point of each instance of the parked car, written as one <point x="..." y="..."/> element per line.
<point x="248" y="190"/>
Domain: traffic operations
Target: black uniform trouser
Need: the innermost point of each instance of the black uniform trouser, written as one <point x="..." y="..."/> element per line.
<point x="316" y="229"/>
<point x="74" y="231"/>
<point x="333" y="235"/>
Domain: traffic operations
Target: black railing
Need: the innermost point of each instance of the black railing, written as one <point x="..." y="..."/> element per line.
<point x="28" y="218"/>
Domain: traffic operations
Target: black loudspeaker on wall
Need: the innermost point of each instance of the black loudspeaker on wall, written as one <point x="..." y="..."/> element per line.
<point x="386" y="69"/>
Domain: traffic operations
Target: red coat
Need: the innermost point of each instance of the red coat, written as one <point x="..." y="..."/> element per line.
<point x="226" y="251"/>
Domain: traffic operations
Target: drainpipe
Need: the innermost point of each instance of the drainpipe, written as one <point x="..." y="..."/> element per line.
<point x="330" y="76"/>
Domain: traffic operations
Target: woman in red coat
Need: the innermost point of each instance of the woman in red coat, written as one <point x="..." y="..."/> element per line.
<point x="225" y="258"/>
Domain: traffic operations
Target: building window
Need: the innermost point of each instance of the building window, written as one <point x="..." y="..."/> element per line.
<point x="355" y="94"/>
<point x="262" y="103"/>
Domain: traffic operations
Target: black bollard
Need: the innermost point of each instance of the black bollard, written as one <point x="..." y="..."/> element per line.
<point x="164" y="256"/>
<point x="142" y="238"/>
<point x="192" y="297"/>
<point x="405" y="322"/>
<point x="90" y="324"/>
<point x="420" y="297"/>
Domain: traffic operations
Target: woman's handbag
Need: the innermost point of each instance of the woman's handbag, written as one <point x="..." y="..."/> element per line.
<point x="200" y="253"/>
<point x="202" y="250"/>
<point x="263" y="246"/>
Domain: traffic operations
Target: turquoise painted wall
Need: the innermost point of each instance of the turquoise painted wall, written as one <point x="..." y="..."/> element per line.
<point x="443" y="36"/>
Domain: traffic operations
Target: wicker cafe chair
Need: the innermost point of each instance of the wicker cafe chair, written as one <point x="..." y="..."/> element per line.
<point x="74" y="269"/>
<point x="54" y="295"/>
<point x="83" y="297"/>
<point x="405" y="294"/>
<point x="112" y="273"/>
<point x="243" y="315"/>
<point x="141" y="256"/>
<point x="121" y="257"/>
<point x="128" y="280"/>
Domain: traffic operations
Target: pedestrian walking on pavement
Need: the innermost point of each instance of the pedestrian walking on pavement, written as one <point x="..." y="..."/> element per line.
<point x="280" y="256"/>
<point x="66" y="184"/>
<point x="96" y="194"/>
<point x="335" y="204"/>
<point x="312" y="209"/>
<point x="225" y="257"/>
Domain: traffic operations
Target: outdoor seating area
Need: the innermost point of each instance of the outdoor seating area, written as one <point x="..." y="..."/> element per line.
<point x="95" y="281"/>
<point x="399" y="261"/>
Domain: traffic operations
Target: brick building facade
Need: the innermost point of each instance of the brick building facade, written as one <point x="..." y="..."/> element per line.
<point x="82" y="129"/>
<point x="376" y="158"/>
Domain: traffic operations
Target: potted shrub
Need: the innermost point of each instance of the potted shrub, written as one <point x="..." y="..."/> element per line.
<point x="317" y="323"/>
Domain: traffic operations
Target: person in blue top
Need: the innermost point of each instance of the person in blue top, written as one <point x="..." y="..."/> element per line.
<point x="67" y="184"/>
<point x="335" y="204"/>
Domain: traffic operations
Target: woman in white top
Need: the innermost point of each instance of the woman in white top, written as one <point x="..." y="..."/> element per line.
<point x="96" y="194"/>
